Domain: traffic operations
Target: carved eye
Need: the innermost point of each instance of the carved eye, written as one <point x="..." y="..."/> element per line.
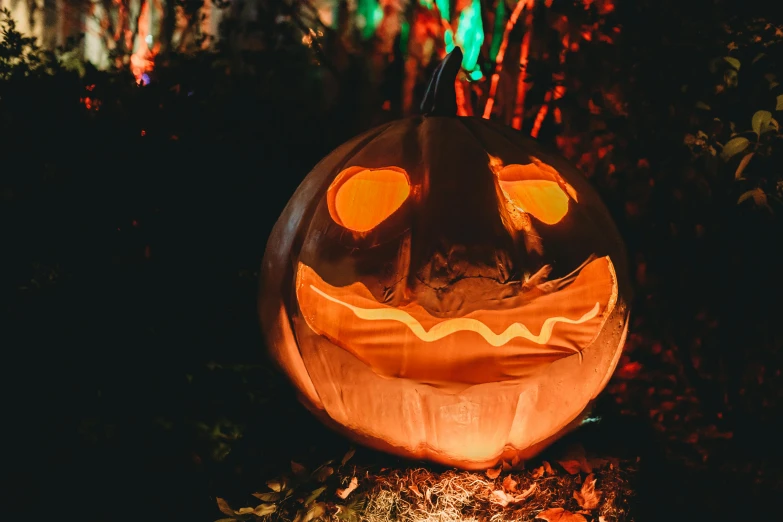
<point x="536" y="189"/>
<point x="360" y="199"/>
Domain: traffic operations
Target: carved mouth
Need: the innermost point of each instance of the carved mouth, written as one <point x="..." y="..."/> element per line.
<point x="482" y="346"/>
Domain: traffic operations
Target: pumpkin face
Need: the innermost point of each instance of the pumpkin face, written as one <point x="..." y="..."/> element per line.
<point x="443" y="288"/>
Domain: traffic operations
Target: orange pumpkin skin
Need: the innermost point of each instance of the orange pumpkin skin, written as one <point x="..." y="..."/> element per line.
<point x="443" y="288"/>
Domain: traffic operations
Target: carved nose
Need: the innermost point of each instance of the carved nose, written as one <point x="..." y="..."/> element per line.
<point x="460" y="278"/>
<point x="456" y="262"/>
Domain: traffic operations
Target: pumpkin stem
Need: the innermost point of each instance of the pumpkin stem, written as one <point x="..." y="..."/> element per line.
<point x="440" y="99"/>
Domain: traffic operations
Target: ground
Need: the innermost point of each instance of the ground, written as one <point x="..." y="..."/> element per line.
<point x="132" y="225"/>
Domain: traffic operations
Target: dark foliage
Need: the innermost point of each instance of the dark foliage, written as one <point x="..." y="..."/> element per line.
<point x="133" y="220"/>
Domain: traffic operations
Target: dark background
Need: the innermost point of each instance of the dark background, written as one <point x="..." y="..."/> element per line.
<point x="132" y="355"/>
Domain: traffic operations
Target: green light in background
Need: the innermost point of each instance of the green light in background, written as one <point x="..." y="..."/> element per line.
<point x="405" y="31"/>
<point x="368" y="10"/>
<point x="377" y="16"/>
<point x="497" y="32"/>
<point x="448" y="39"/>
<point x="470" y="36"/>
<point x="443" y="7"/>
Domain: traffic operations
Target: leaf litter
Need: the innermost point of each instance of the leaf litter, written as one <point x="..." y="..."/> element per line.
<point x="339" y="490"/>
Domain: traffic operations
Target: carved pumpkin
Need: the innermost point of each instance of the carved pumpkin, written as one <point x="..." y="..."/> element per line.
<point x="442" y="288"/>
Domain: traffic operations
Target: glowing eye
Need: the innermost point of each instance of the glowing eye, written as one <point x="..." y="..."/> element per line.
<point x="360" y="199"/>
<point x="535" y="191"/>
<point x="542" y="199"/>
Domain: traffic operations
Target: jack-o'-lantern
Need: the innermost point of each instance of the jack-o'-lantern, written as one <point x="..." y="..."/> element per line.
<point x="443" y="288"/>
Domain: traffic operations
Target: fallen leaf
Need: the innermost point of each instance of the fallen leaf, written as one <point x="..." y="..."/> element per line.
<point x="575" y="460"/>
<point x="343" y="493"/>
<point x="494" y="473"/>
<point x="571" y="466"/>
<point x="298" y="469"/>
<point x="560" y="515"/>
<point x="267" y="497"/>
<point x="588" y="497"/>
<point x="323" y="473"/>
<point x="499" y="497"/>
<point x="503" y="499"/>
<point x="278" y="484"/>
<point x="263" y="510"/>
<point x="742" y="164"/>
<point x="509" y="484"/>
<point x="314" y="495"/>
<point x="347" y="456"/>
<point x="517" y="463"/>
<point x="224" y="507"/>
<point x="506" y="466"/>
<point x="346" y="513"/>
<point x="313" y="513"/>
<point x="548" y="468"/>
<point x="538" y="472"/>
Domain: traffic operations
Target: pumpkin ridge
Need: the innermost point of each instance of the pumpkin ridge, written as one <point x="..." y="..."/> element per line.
<point x="282" y="285"/>
<point x="307" y="216"/>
